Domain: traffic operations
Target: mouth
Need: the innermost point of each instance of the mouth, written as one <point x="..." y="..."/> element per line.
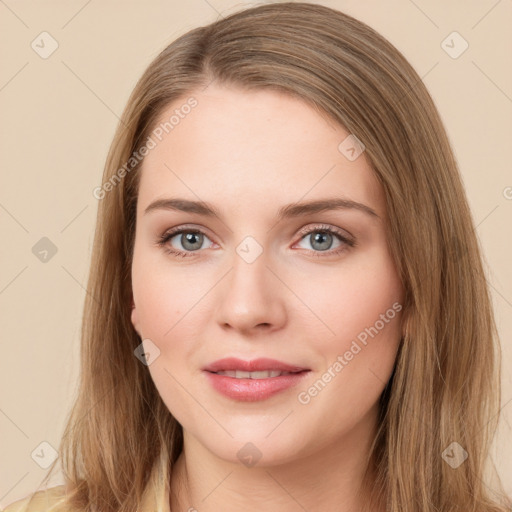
<point x="251" y="369"/>
<point x="265" y="374"/>
<point x="254" y="380"/>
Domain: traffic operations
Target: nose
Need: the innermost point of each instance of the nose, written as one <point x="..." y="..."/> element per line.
<point x="251" y="298"/>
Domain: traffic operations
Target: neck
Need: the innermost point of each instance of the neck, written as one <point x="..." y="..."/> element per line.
<point x="328" y="479"/>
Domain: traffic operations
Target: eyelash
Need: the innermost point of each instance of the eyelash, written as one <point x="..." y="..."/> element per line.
<point x="163" y="239"/>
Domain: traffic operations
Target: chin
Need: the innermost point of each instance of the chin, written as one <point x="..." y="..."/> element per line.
<point x="257" y="449"/>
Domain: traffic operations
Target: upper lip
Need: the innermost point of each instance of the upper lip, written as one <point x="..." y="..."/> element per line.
<point x="261" y="364"/>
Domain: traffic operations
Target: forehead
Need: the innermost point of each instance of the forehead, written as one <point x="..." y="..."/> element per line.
<point x="235" y="147"/>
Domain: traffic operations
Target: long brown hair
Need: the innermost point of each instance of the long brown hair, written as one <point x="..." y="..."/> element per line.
<point x="445" y="386"/>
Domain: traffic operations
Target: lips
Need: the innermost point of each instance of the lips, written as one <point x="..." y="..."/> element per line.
<point x="254" y="380"/>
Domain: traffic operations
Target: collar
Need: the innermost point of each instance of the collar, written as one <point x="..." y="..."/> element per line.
<point x="156" y="494"/>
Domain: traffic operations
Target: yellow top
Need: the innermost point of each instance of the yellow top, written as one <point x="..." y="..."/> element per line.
<point x="155" y="497"/>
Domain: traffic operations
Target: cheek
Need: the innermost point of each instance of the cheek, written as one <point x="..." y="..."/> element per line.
<point x="163" y="295"/>
<point x="165" y="301"/>
<point x="349" y="301"/>
<point x="358" y="359"/>
<point x="362" y="309"/>
<point x="171" y="314"/>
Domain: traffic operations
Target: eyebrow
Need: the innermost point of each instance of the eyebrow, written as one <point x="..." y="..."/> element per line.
<point x="286" y="212"/>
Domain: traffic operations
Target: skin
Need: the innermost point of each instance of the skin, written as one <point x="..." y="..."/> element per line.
<point x="249" y="153"/>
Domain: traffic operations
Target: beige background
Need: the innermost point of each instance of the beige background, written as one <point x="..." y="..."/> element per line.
<point x="58" y="118"/>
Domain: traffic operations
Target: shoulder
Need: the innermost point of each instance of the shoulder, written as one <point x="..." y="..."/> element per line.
<point x="47" y="500"/>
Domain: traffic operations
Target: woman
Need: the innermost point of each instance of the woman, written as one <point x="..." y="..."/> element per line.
<point x="287" y="306"/>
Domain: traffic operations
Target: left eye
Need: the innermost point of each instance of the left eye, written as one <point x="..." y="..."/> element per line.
<point x="321" y="240"/>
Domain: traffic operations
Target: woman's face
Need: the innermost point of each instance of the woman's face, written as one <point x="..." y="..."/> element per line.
<point x="263" y="278"/>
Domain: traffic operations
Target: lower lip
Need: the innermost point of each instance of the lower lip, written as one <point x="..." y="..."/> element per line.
<point x="251" y="390"/>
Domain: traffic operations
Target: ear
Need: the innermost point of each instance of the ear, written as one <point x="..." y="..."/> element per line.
<point x="134" y="318"/>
